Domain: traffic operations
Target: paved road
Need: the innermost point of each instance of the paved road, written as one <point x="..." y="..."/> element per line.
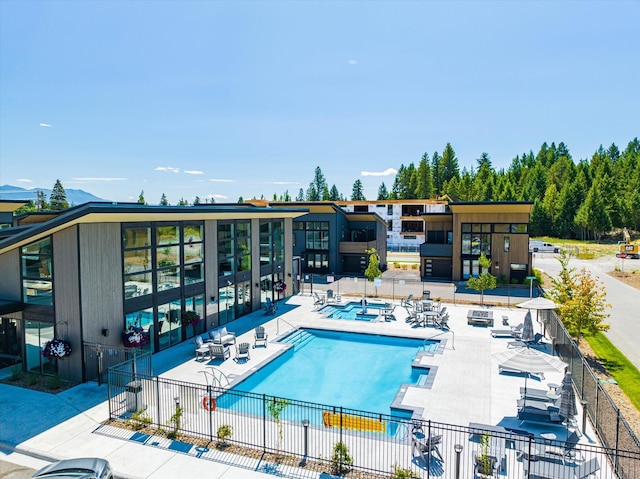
<point x="624" y="299"/>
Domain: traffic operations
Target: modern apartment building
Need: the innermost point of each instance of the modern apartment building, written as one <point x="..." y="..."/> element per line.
<point x="86" y="273"/>
<point x="405" y="226"/>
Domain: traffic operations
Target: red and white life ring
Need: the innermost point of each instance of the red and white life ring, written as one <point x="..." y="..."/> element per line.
<point x="209" y="403"/>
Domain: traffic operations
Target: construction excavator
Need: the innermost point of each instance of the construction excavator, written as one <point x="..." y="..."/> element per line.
<point x="627" y="249"/>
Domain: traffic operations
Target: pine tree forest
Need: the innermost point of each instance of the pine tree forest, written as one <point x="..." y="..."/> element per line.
<point x="582" y="200"/>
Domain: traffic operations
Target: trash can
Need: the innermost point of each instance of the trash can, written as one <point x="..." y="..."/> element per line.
<point x="133" y="392"/>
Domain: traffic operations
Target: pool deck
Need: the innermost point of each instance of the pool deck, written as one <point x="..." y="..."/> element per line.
<point x="465" y="369"/>
<point x="467" y="388"/>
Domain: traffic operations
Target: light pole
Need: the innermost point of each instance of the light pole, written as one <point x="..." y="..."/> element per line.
<point x="458" y="448"/>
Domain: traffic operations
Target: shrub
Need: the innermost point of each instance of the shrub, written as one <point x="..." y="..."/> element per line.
<point x="54" y="382"/>
<point x="401" y="473"/>
<point x="138" y="420"/>
<point x="224" y="432"/>
<point x="341" y="460"/>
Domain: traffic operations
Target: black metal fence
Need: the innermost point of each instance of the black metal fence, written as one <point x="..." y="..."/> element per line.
<point x="98" y="358"/>
<point x="611" y="426"/>
<point x="311" y="435"/>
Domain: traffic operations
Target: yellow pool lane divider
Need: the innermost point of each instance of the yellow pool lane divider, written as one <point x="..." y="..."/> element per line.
<point x="355" y="423"/>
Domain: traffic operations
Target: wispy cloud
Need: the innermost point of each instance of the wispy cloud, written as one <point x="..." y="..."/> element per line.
<point x="353" y="62"/>
<point x="286" y="182"/>
<point x="24" y="180"/>
<point x="98" y="180"/>
<point x="170" y="169"/>
<point x="220" y="180"/>
<point x="194" y="172"/>
<point x="46" y="125"/>
<point x="387" y="172"/>
<point x="218" y="197"/>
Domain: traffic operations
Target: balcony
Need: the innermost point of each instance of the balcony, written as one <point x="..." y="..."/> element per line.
<point x="356" y="247"/>
<point x="436" y="250"/>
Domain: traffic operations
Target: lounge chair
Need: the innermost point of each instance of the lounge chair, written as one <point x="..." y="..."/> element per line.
<point x="318" y="300"/>
<point x="553" y="470"/>
<point x="503" y="369"/>
<point x="424" y="447"/>
<point x="505" y="333"/>
<point x="270" y="307"/>
<point x="202" y="349"/>
<point x="260" y="336"/>
<point x="534" y="393"/>
<point x="242" y="352"/>
<point x="219" y="351"/>
<point x="549" y="415"/>
<point x="442" y="321"/>
<point x="518" y="343"/>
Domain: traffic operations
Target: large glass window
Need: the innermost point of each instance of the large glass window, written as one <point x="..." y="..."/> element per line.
<point x="226" y="304"/>
<point x="226" y="249"/>
<point x="476" y="239"/>
<point x="144" y="320"/>
<point x="168" y="256"/>
<point x="169" y="324"/>
<point x="37" y="272"/>
<point x="138" y="264"/>
<point x="195" y="303"/>
<point x="266" y="243"/>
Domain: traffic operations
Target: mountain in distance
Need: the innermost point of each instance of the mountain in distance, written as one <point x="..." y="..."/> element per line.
<point x="74" y="197"/>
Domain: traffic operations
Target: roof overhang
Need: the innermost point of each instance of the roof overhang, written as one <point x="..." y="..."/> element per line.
<point x="100" y="213"/>
<point x="492" y="207"/>
<point x="8" y="307"/>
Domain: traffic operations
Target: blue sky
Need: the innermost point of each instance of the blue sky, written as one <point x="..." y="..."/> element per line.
<point x="229" y="99"/>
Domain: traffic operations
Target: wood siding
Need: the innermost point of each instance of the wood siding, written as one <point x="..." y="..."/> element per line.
<point x="10" y="280"/>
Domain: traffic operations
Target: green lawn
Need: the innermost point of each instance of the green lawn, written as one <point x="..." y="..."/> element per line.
<point x="622" y="370"/>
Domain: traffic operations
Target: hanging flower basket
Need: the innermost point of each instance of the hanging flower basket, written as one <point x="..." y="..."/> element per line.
<point x="192" y="318"/>
<point x="56" y="349"/>
<point x="280" y="286"/>
<point x="133" y="337"/>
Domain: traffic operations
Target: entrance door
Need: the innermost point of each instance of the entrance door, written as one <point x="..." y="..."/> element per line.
<point x="9" y="344"/>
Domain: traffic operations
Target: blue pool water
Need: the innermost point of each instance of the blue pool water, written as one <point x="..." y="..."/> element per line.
<point x="353" y="311"/>
<point x="359" y="371"/>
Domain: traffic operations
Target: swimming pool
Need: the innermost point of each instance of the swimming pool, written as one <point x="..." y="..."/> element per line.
<point x="353" y="311"/>
<point x="352" y="370"/>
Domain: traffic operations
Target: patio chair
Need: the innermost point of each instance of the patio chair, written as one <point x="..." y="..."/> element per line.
<point x="219" y="351"/>
<point x="388" y="313"/>
<point x="270" y="307"/>
<point x="242" y="352"/>
<point x="505" y="333"/>
<point x="407" y="303"/>
<point x="330" y="296"/>
<point x="442" y="321"/>
<point x="537" y="340"/>
<point x="424" y="447"/>
<point x="533" y="393"/>
<point x="318" y="300"/>
<point x="260" y="336"/>
<point x="202" y="349"/>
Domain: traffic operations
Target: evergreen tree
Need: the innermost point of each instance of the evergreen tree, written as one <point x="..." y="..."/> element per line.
<point x="300" y="196"/>
<point x="58" y="198"/>
<point x="373" y="268"/>
<point x="551" y="204"/>
<point x="183" y="202"/>
<point x="312" y="193"/>
<point x="424" y="188"/>
<point x="319" y="184"/>
<point x="240" y="200"/>
<point x="196" y="200"/>
<point x="141" y="199"/>
<point x="41" y="201"/>
<point x="163" y="200"/>
<point x="287" y="197"/>
<point x="593" y="215"/>
<point x="539" y="222"/>
<point x="438" y="181"/>
<point x="357" y="191"/>
<point x="382" y="192"/>
<point x="448" y="164"/>
<point x="334" y="194"/>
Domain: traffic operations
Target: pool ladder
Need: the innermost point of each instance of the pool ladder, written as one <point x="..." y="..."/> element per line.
<point x="216" y="377"/>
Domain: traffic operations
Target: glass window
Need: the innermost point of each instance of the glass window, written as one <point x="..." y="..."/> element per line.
<point x="137" y="260"/>
<point x="225" y="230"/>
<point x="244" y="229"/>
<point x="167" y="256"/>
<point x="193" y="253"/>
<point x="169" y="324"/>
<point x="192" y="233"/>
<point x="226" y="266"/>
<point x="144" y="320"/>
<point x="193" y="273"/>
<point x="225" y="248"/>
<point x="136" y="236"/>
<point x="195" y="303"/>
<point x="37" y="284"/>
<point x="506" y="244"/>
<point x="226" y="305"/>
<point x="389" y="210"/>
<point x="169" y="234"/>
<point x="278" y="234"/>
<point x="168" y="278"/>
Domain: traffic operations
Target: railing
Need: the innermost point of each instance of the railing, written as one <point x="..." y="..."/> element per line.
<point x="179" y="416"/>
<point x="441" y="333"/>
<point x="609" y="423"/>
<point x="295" y="328"/>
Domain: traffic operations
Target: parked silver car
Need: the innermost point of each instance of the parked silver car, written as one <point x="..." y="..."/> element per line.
<point x="81" y="468"/>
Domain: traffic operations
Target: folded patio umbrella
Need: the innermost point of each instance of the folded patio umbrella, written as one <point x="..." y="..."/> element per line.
<point x="527" y="328"/>
<point x="568" y="407"/>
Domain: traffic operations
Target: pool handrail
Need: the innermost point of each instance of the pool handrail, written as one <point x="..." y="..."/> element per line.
<point x="215" y="378"/>
<point x="453" y="338"/>
<point x="278" y="319"/>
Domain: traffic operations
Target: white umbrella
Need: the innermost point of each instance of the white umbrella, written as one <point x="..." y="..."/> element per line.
<point x="527" y="328"/>
<point x="538" y="303"/>
<point x="529" y="361"/>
